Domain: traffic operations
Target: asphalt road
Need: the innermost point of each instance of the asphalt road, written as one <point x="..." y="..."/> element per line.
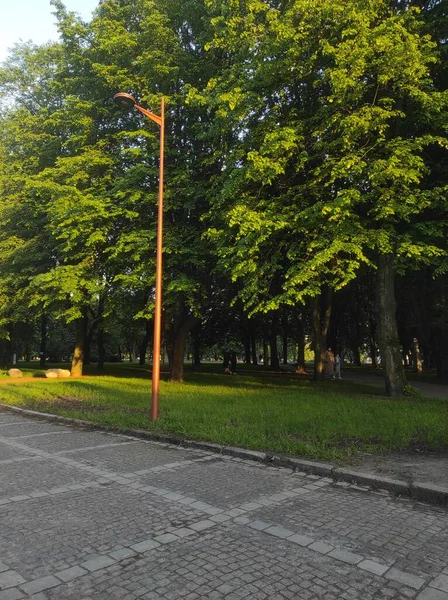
<point x="89" y="515"/>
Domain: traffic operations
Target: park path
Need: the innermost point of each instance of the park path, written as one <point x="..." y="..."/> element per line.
<point x="428" y="390"/>
<point x="89" y="515"/>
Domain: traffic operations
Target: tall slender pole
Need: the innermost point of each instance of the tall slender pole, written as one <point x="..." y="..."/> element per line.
<point x="158" y="299"/>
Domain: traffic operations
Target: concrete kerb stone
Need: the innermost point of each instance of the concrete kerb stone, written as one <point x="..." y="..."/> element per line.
<point x="423" y="492"/>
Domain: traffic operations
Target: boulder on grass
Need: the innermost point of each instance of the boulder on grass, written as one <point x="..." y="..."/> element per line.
<point x="56" y="373"/>
<point x="15" y="373"/>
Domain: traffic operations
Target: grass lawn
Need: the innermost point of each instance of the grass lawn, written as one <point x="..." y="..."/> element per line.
<point x="279" y="413"/>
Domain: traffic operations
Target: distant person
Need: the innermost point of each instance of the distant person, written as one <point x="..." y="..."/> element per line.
<point x="329" y="363"/>
<point x="337" y="366"/>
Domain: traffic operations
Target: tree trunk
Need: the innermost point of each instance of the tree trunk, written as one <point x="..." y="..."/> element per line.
<point x="78" y="353"/>
<point x="197" y="351"/>
<point x="101" y="349"/>
<point x="145" y="341"/>
<point x="441" y="358"/>
<point x="253" y="346"/>
<point x="301" y="348"/>
<point x="391" y="359"/>
<point x="5" y="354"/>
<point x="265" y="352"/>
<point x="275" y="363"/>
<point x="178" y="347"/>
<point x="88" y="343"/>
<point x="285" y="349"/>
<point x="247" y="349"/>
<point x="356" y="356"/>
<point x="320" y="316"/>
<point x="43" y="341"/>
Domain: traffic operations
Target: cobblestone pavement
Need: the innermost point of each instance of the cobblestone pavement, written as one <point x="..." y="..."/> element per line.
<point x="91" y="515"/>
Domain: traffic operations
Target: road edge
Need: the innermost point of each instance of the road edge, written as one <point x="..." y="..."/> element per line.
<point x="420" y="491"/>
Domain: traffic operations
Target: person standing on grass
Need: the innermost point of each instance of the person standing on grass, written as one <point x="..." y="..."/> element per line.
<point x="337" y="366"/>
<point x="329" y="363"/>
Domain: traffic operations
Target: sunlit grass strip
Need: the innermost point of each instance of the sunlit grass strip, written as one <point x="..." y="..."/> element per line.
<point x="330" y="421"/>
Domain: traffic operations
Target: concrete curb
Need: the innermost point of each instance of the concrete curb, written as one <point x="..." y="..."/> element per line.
<point x="423" y="492"/>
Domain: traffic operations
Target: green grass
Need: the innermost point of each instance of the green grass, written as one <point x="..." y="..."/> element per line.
<point x="287" y="414"/>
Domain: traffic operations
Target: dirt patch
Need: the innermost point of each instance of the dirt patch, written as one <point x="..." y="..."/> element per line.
<point x="425" y="467"/>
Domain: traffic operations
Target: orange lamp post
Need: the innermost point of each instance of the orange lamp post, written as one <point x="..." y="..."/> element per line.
<point x="128" y="101"/>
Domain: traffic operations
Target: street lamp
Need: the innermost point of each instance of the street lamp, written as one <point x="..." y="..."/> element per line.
<point x="128" y="101"/>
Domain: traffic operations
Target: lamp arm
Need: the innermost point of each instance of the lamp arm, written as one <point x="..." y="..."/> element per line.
<point x="149" y="114"/>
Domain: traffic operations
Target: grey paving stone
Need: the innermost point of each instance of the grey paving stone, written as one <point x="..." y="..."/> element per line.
<point x="10" y="579"/>
<point x="145" y="546"/>
<point x="440" y="582"/>
<point x="201" y="525"/>
<point x="301" y="540"/>
<point x="71" y="573"/>
<point x="166" y="538"/>
<point x="259" y="525"/>
<point x="279" y="532"/>
<point x="321" y="547"/>
<point x="98" y="563"/>
<point x="348" y="557"/>
<point x="220" y="518"/>
<point x="3" y="567"/>
<point x="11" y="594"/>
<point x="373" y="567"/>
<point x="432" y="594"/>
<point x="408" y="579"/>
<point x="183" y="532"/>
<point x="122" y="553"/>
<point x="40" y="585"/>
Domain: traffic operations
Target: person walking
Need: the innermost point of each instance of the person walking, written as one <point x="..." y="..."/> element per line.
<point x="337" y="366"/>
<point x="329" y="363"/>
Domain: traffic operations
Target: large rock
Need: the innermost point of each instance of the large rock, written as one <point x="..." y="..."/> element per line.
<point x="15" y="373"/>
<point x="56" y="373"/>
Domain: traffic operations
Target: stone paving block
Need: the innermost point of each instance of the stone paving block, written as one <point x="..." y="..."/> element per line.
<point x="166" y="538"/>
<point x="70" y="574"/>
<point x="259" y="525"/>
<point x="122" y="553"/>
<point x="145" y="546"/>
<point x="201" y="525"/>
<point x="11" y="594"/>
<point x="100" y="562"/>
<point x="301" y="540"/>
<point x="440" y="582"/>
<point x="321" y="547"/>
<point x="408" y="579"/>
<point x="373" y="567"/>
<point x="183" y="532"/>
<point x="3" y="567"/>
<point x="40" y="585"/>
<point x="432" y="594"/>
<point x="220" y="518"/>
<point x="343" y="555"/>
<point x="279" y="532"/>
<point x="10" y="579"/>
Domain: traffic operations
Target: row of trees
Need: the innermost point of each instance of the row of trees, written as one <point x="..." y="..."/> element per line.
<point x="306" y="176"/>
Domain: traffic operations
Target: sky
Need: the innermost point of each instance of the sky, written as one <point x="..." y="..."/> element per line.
<point x="23" y="20"/>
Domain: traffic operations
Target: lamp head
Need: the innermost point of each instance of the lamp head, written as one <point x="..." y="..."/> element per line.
<point x="124" y="100"/>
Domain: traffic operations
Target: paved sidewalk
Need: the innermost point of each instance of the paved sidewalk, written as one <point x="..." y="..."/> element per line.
<point x="428" y="390"/>
<point x="89" y="515"/>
